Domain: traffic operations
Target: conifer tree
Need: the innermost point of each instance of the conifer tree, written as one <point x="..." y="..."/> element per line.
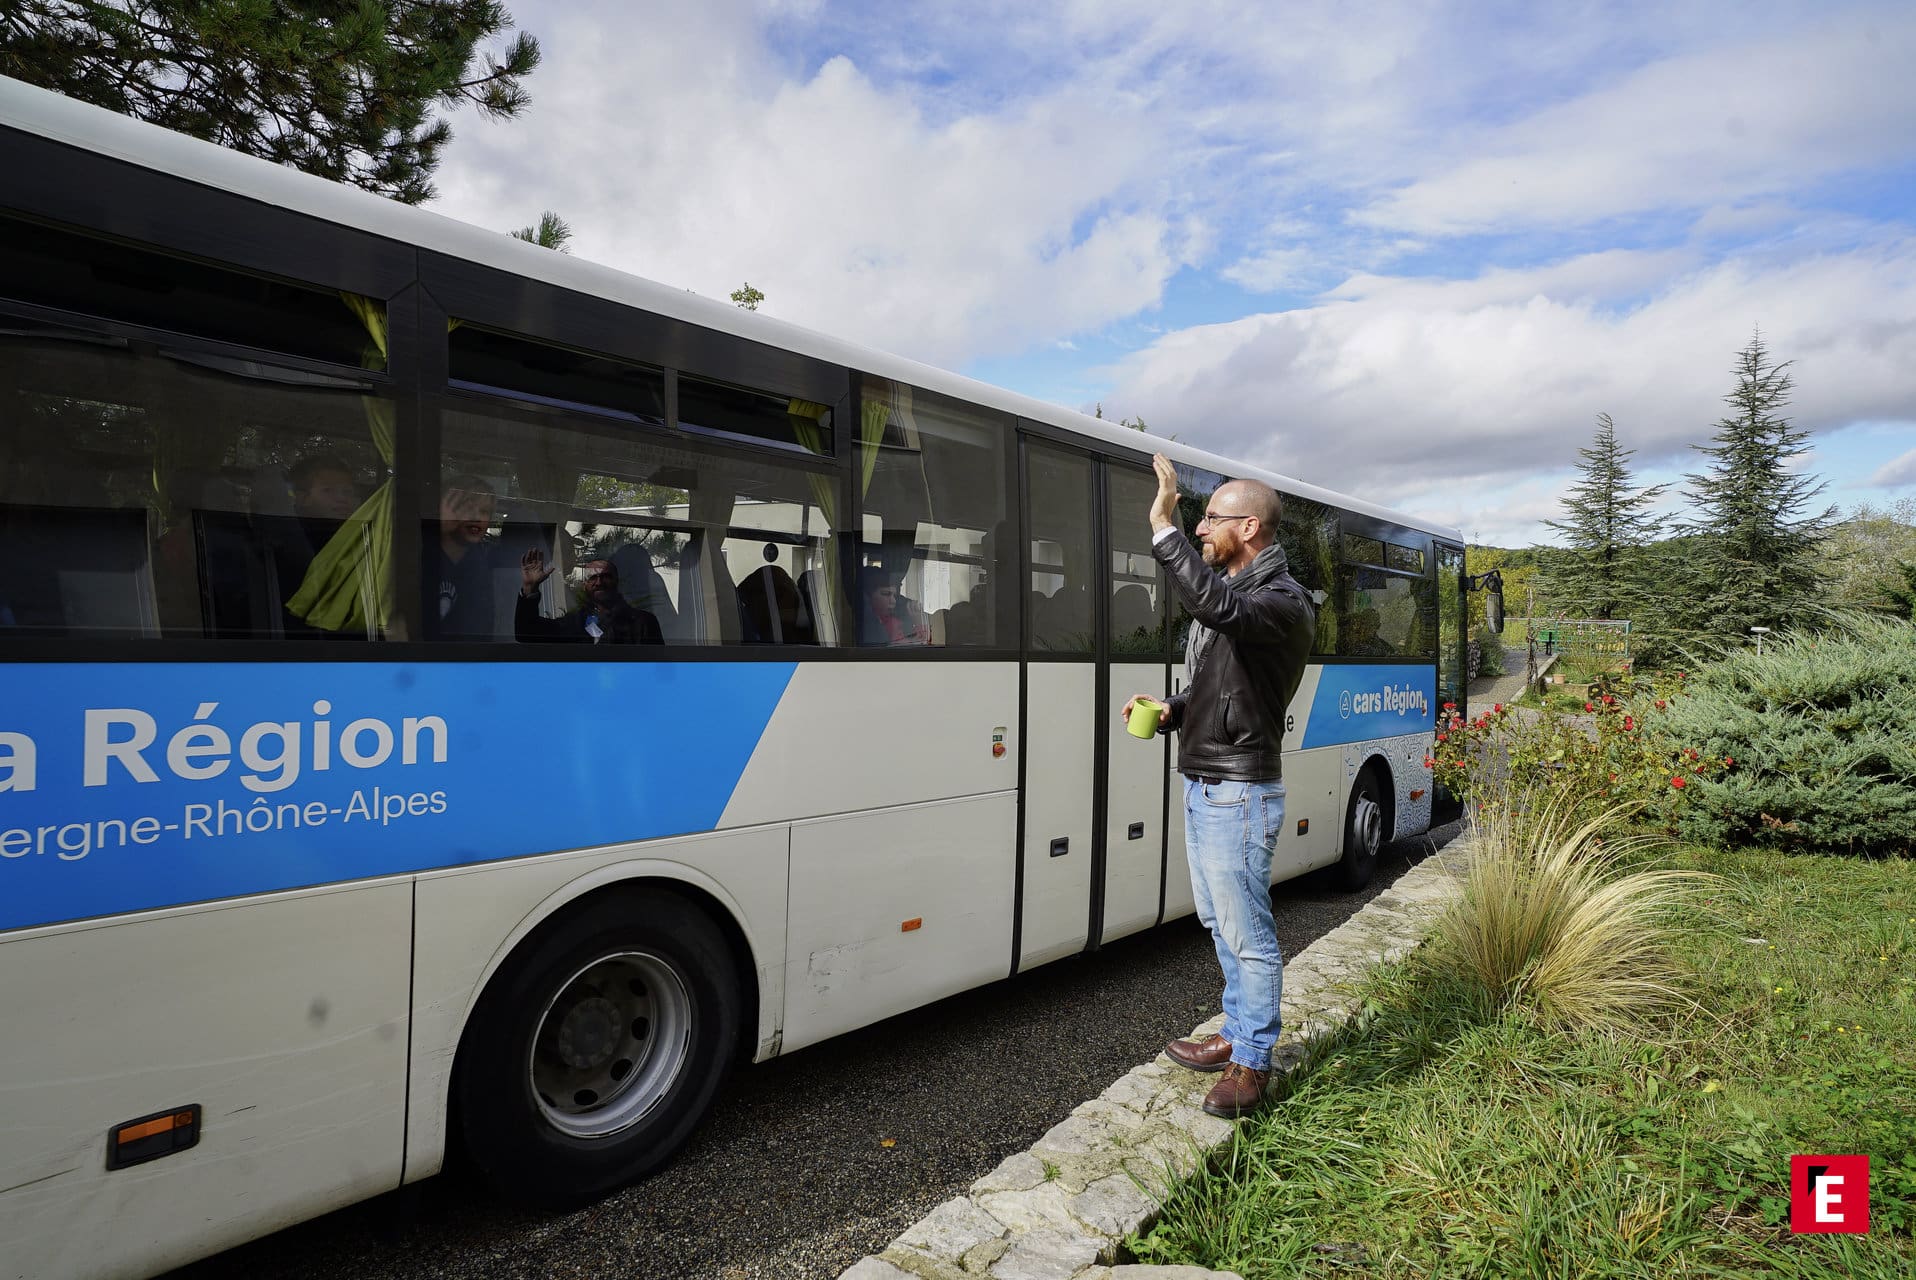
<point x="1753" y="559"/>
<point x="346" y="90"/>
<point x="551" y="232"/>
<point x="1607" y="526"/>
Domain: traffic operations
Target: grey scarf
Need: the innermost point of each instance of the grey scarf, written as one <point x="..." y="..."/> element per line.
<point x="1268" y="563"/>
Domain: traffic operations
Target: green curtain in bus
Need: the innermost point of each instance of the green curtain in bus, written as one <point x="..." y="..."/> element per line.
<point x="808" y="425"/>
<point x="349" y="585"/>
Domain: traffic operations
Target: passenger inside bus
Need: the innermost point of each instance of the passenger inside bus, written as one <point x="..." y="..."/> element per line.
<point x="771" y="611"/>
<point x="323" y="488"/>
<point x="603" y="616"/>
<point x="1133" y="620"/>
<point x="886" y="616"/>
<point x="643" y="586"/>
<point x="462" y="563"/>
<point x="1360" y="638"/>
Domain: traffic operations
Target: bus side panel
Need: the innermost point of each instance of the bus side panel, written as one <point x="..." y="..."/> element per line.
<point x="283" y="1019"/>
<point x="1313" y="783"/>
<point x="1135" y="781"/>
<point x="1059" y="776"/>
<point x="850" y="737"/>
<point x="471" y="918"/>
<point x="894" y="909"/>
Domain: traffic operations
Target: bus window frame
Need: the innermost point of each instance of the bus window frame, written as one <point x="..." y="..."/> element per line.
<point x="1363" y="525"/>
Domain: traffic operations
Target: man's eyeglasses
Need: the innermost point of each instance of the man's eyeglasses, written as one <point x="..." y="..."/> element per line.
<point x="1211" y="518"/>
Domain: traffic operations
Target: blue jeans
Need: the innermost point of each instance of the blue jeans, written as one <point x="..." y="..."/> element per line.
<point x="1230" y="831"/>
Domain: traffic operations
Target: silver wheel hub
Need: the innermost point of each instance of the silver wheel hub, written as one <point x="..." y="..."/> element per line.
<point x="589" y="1035"/>
<point x="1369" y="824"/>
<point x="610" y="1044"/>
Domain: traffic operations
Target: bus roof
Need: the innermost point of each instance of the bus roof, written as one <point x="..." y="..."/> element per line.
<point x="60" y="119"/>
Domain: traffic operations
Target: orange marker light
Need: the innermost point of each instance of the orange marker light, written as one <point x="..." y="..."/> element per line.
<point x="134" y="1132"/>
<point x="915" y="922"/>
<point x="152" y="1136"/>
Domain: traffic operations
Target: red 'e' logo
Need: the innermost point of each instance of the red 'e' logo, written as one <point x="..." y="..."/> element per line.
<point x="1829" y="1193"/>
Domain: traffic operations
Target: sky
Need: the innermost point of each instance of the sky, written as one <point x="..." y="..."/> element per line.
<point x="1405" y="251"/>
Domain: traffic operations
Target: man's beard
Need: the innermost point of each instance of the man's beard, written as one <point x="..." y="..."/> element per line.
<point x="1212" y="553"/>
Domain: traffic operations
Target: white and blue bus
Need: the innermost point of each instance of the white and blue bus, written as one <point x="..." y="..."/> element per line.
<point x="325" y="839"/>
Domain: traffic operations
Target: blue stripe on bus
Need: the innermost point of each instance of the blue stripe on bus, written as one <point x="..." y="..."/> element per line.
<point x="532" y="757"/>
<point x="1355" y="703"/>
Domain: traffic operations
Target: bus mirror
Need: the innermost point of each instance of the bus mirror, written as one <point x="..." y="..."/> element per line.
<point x="1492" y="585"/>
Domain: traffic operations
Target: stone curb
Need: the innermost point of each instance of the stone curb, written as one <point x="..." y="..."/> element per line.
<point x="1060" y="1210"/>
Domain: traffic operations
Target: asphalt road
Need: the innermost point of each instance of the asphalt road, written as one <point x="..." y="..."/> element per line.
<point x="792" y="1178"/>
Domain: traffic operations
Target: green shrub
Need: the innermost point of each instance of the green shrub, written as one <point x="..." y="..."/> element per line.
<point x="1822" y="729"/>
<point x="1598" y="752"/>
<point x="1490" y="654"/>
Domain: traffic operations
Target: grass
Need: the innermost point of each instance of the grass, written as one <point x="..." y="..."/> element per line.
<point x="1446" y="1134"/>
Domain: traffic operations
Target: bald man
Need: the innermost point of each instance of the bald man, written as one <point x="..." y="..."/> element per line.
<point x="1251" y="632"/>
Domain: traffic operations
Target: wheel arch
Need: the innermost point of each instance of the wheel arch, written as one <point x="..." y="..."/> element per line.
<point x="1377" y="763"/>
<point x="622" y="880"/>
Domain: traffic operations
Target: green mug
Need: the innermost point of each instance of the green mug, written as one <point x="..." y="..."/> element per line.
<point x="1145" y="715"/>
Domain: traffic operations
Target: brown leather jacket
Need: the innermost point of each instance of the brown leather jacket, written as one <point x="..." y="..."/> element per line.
<point x="1244" y="657"/>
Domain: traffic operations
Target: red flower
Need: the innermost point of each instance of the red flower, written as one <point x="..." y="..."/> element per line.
<point x="1608" y="700"/>
<point x="1677" y="782"/>
<point x="1629" y="723"/>
<point x="1588" y="707"/>
<point x="1498" y="708"/>
<point x="1659" y="704"/>
<point x="1727" y="762"/>
<point x="1450" y="706"/>
<point x="1440" y="737"/>
<point x="1428" y="762"/>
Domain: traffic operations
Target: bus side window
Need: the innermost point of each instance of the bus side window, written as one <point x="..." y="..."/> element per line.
<point x="936" y="531"/>
<point x="146" y="492"/>
<point x="697" y="544"/>
<point x="1063" y="613"/>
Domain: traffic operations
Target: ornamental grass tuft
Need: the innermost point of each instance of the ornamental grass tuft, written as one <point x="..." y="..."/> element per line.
<point x="1558" y="919"/>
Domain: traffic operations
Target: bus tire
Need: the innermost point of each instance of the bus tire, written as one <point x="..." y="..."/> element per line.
<point x="1363" y="831"/>
<point x="597" y="1049"/>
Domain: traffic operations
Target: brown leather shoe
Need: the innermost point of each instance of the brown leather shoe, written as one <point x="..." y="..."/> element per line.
<point x="1208" y="1054"/>
<point x="1240" y="1092"/>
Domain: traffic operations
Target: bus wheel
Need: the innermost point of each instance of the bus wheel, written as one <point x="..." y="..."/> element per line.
<point x="1363" y="831"/>
<point x="597" y="1049"/>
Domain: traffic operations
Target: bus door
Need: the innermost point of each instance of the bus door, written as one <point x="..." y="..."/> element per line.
<point x="1094" y="796"/>
<point x="1134" y="774"/>
<point x="1062" y="716"/>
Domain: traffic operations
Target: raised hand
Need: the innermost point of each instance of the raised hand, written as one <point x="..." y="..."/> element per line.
<point x="533" y="571"/>
<point x="1164" y="507"/>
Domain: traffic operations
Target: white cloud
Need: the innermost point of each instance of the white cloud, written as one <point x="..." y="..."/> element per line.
<point x="1896" y="472"/>
<point x="1682" y="132"/>
<point x="696" y="161"/>
<point x="997" y="179"/>
<point x="1485" y="382"/>
<point x="1272" y="270"/>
